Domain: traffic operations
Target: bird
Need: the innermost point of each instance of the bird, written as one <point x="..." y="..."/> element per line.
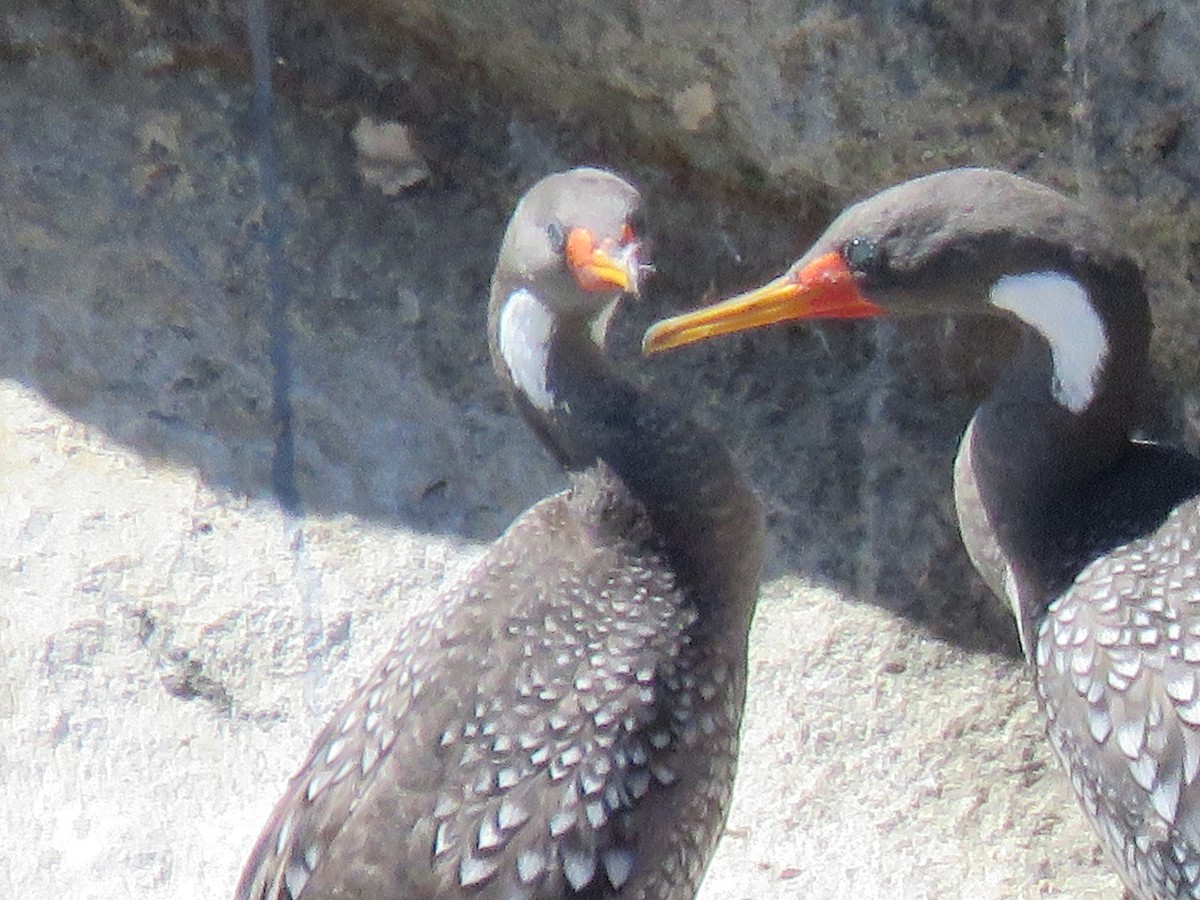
<point x="1091" y="535"/>
<point x="564" y="721"/>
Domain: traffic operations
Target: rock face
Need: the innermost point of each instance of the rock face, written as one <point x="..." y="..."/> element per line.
<point x="801" y="93"/>
<point x="170" y="640"/>
<point x="827" y="100"/>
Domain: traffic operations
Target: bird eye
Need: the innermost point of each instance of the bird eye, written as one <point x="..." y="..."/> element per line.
<point x="558" y="237"/>
<point x="862" y="256"/>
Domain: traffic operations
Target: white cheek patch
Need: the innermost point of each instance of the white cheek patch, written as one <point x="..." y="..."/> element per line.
<point x="524" y="338"/>
<point x="1058" y="307"/>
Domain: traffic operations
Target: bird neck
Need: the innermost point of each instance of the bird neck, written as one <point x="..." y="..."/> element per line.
<point x="1037" y="444"/>
<point x="703" y="513"/>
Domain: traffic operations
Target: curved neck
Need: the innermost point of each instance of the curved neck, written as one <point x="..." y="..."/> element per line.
<point x="1029" y="460"/>
<point x="703" y="512"/>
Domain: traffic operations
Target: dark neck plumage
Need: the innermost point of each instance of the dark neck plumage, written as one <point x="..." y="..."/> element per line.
<point x="1028" y="463"/>
<point x="703" y="513"/>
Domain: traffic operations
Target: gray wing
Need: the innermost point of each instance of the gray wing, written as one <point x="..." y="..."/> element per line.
<point x="524" y="755"/>
<point x="1118" y="660"/>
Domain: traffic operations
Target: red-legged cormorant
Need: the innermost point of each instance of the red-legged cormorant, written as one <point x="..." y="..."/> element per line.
<point x="1092" y="537"/>
<point x="564" y="723"/>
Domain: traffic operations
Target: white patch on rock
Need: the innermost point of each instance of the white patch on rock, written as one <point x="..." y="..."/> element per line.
<point x="524" y="337"/>
<point x="1059" y="308"/>
<point x="694" y="105"/>
<point x="387" y="157"/>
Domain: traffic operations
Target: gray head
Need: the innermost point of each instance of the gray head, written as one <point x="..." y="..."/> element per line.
<point x="568" y="255"/>
<point x="960" y="241"/>
<point x="941" y="242"/>
<point x="570" y="244"/>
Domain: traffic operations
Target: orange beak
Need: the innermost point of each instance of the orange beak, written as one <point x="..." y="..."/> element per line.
<point x="823" y="289"/>
<point x="602" y="268"/>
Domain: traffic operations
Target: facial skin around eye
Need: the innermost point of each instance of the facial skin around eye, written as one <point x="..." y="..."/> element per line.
<point x="557" y="236"/>
<point x="861" y="255"/>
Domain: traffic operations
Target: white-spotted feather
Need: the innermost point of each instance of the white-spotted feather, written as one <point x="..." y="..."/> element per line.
<point x="1122" y="704"/>
<point x="533" y="773"/>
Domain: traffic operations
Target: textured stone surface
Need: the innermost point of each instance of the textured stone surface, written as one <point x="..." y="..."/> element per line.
<point x="170" y="650"/>
<point x="170" y="641"/>
<point x="828" y="100"/>
<point x="811" y="92"/>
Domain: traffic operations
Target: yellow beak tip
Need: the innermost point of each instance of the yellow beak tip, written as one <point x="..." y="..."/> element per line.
<point x="660" y="337"/>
